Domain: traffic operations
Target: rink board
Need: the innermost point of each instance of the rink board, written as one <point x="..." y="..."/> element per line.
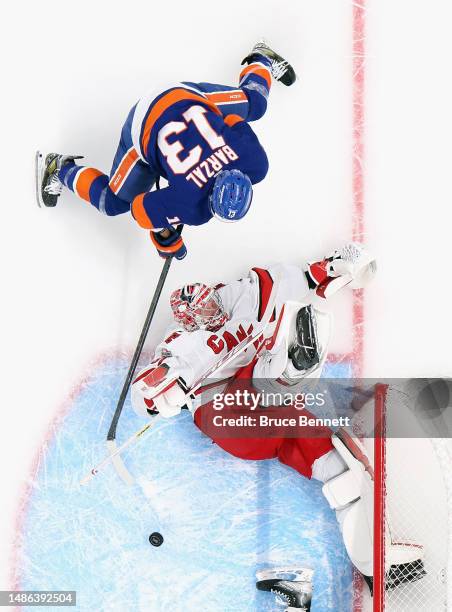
<point x="222" y="519"/>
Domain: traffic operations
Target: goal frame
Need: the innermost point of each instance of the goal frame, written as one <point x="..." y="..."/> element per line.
<point x="380" y="396"/>
<point x="436" y="537"/>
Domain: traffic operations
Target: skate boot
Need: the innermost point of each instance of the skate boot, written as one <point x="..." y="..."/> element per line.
<point x="280" y="68"/>
<point x="293" y="586"/>
<point x="48" y="185"/>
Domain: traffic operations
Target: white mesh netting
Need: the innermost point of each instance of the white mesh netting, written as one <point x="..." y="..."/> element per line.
<point x="418" y="505"/>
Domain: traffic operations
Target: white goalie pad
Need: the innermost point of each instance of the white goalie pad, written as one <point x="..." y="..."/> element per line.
<point x="342" y="490"/>
<point x="351" y="495"/>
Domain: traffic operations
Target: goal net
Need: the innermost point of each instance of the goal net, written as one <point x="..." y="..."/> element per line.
<point x="413" y="504"/>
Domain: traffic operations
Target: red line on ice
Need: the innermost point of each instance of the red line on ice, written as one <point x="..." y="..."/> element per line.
<point x="358" y="63"/>
<point x="359" y="26"/>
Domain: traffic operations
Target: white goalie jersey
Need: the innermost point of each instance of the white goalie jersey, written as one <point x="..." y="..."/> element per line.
<point x="186" y="354"/>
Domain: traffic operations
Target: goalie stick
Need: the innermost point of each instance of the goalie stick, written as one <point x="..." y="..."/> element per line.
<point x="115" y="458"/>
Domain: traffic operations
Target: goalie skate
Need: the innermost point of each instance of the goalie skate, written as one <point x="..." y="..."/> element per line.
<point x="292" y="585"/>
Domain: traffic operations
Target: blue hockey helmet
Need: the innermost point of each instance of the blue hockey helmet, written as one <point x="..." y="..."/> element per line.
<point x="230" y="198"/>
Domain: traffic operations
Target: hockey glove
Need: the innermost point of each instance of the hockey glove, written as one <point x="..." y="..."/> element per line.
<point x="159" y="390"/>
<point x="170" y="246"/>
<point x="351" y="265"/>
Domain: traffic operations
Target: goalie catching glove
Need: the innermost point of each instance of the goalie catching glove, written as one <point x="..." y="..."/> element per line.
<point x="158" y="390"/>
<point x="352" y="265"/>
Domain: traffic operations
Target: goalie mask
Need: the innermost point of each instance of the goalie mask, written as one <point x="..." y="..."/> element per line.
<point x="198" y="306"/>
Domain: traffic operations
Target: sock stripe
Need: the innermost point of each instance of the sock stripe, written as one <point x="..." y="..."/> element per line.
<point x="257" y="69"/>
<point x="69" y="174"/>
<point x="83" y="181"/>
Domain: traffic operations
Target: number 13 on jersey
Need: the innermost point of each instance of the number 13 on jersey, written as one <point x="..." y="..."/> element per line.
<point x="172" y="151"/>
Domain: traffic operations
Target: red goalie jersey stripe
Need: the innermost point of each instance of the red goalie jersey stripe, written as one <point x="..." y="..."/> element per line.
<point x="265" y="289"/>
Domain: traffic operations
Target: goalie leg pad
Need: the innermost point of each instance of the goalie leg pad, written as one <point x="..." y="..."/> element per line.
<point x="351" y="495"/>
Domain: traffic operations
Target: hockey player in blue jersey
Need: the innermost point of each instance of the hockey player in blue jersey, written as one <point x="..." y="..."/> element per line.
<point x="195" y="135"/>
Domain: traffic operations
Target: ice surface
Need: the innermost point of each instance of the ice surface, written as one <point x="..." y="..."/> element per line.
<point x="222" y="519"/>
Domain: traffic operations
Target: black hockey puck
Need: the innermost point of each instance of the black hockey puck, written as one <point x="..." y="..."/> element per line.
<point x="156" y="539"/>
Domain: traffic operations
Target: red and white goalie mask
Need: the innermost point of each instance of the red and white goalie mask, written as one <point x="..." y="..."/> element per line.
<point x="198" y="307"/>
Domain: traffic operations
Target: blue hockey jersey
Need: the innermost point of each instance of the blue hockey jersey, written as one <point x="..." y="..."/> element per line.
<point x="184" y="137"/>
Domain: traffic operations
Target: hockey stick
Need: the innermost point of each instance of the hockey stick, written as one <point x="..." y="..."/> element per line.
<point x="111" y="436"/>
<point x="116" y="451"/>
<point x="114" y="456"/>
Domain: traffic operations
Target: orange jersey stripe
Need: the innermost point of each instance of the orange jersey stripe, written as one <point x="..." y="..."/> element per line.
<point x="260" y="71"/>
<point x="129" y="159"/>
<point x="232" y="119"/>
<point x="172" y="97"/>
<point x="139" y="212"/>
<point x="84" y="181"/>
<point x="237" y="95"/>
